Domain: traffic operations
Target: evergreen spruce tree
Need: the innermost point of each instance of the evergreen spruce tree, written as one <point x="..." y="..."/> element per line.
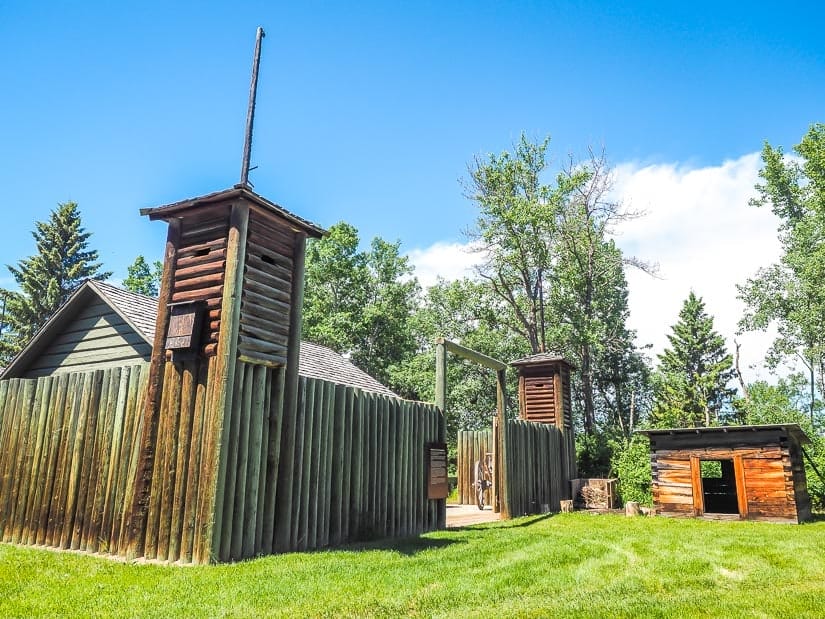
<point x="63" y="261"/>
<point x="691" y="387"/>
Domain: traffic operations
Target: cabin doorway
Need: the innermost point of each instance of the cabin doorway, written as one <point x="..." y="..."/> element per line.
<point x="718" y="487"/>
<point x="719" y="492"/>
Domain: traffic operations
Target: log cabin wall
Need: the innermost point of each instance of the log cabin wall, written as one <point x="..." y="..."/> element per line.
<point x="767" y="471"/>
<point x="199" y="267"/>
<point x="538" y="399"/>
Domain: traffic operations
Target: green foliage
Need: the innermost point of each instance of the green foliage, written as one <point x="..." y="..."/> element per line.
<point x="789" y="294"/>
<point x="631" y="462"/>
<point x="462" y="311"/>
<point x="593" y="455"/>
<point x="143" y="278"/>
<point x="691" y="384"/>
<point x="556" y="275"/>
<point x="360" y="303"/>
<point x="516" y="228"/>
<point x="786" y="402"/>
<point x="63" y="261"/>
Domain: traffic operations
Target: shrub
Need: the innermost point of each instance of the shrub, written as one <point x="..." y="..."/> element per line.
<point x="631" y="462"/>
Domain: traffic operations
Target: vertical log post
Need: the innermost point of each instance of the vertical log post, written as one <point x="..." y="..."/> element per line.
<point x="283" y="521"/>
<point x="225" y="363"/>
<point x="501" y="446"/>
<point x="139" y="501"/>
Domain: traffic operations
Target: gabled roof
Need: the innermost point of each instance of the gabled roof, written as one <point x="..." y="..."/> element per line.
<point x="67" y="312"/>
<point x="168" y="211"/>
<point x="321" y="362"/>
<point x="140" y="312"/>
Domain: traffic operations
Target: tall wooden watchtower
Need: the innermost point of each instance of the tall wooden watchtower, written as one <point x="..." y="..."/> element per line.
<point x="544" y="397"/>
<point x="225" y="353"/>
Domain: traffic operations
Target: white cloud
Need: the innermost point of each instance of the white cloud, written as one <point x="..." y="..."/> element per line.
<point x="700" y="229"/>
<point x="448" y="260"/>
<point x="697" y="226"/>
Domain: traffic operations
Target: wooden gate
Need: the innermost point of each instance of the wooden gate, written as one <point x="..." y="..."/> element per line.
<point x="473" y="445"/>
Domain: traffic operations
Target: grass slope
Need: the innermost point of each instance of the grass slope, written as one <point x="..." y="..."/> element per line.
<point x="573" y="564"/>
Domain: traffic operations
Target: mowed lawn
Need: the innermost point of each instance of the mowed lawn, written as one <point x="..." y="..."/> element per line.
<point x="572" y="564"/>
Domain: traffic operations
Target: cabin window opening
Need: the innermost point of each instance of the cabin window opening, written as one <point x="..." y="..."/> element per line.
<point x="719" y="487"/>
<point x="202" y="252"/>
<point x="267" y="258"/>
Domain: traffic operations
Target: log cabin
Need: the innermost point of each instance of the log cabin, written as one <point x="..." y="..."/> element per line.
<point x="731" y="472"/>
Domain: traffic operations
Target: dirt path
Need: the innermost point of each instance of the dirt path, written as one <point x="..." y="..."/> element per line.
<point x="463" y="515"/>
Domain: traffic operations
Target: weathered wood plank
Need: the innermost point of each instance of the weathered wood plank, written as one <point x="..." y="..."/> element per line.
<point x="273" y="462"/>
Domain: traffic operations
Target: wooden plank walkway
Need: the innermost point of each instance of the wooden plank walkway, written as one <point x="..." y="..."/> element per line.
<point x="466" y="515"/>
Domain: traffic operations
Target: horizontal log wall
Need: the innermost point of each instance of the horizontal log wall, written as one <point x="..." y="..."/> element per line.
<point x="358" y="467"/>
<point x="199" y="269"/>
<point x="473" y="445"/>
<point x="267" y="291"/>
<point x="68" y="454"/>
<point x="536" y="478"/>
<point x="770" y="480"/>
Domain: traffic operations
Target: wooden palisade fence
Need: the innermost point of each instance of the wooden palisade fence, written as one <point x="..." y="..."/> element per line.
<point x="70" y="455"/>
<point x="536" y="476"/>
<point x="68" y="452"/>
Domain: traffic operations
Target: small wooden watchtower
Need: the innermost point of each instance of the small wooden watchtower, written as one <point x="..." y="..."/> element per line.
<point x="544" y="397"/>
<point x="227" y="342"/>
<point x="544" y="389"/>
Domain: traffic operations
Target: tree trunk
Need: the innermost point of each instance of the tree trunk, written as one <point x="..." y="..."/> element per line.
<point x="587" y="389"/>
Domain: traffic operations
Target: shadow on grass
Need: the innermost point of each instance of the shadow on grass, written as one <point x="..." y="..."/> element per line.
<point x="408" y="546"/>
<point x="514" y="523"/>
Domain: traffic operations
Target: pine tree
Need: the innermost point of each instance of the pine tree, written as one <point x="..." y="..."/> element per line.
<point x="694" y="372"/>
<point x="47" y="279"/>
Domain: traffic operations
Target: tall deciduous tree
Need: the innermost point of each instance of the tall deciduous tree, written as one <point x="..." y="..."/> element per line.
<point x="790" y="294"/>
<point x="358" y="302"/>
<point x="47" y="279"/>
<point x="515" y="231"/>
<point x="548" y="257"/>
<point x="694" y="372"/>
<point x="143" y="278"/>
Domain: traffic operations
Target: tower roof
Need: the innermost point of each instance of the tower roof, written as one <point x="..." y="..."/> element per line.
<point x="169" y="211"/>
<point x="542" y="358"/>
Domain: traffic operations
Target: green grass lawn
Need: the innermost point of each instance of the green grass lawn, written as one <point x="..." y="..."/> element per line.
<point x="570" y="564"/>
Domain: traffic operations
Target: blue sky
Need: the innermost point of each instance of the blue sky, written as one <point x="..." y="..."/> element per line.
<point x="369" y="112"/>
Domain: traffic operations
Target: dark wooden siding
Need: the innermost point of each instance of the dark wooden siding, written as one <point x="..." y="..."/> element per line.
<point x="96" y="338"/>
<point x="199" y="269"/>
<point x="267" y="291"/>
<point x="539" y="399"/>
